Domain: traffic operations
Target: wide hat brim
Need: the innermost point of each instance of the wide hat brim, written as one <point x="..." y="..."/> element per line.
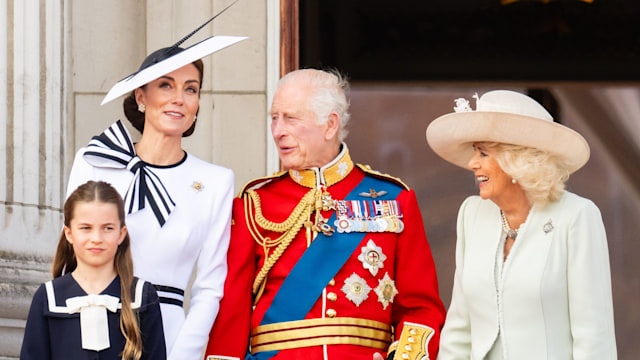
<point x="452" y="136"/>
<point x="189" y="55"/>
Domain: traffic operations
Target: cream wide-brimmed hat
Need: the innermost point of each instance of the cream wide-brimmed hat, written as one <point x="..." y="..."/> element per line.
<point x="508" y="117"/>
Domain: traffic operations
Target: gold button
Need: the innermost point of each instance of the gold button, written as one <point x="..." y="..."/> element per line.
<point x="331" y="313"/>
<point x="332" y="282"/>
<point x="405" y="356"/>
<point x="411" y="339"/>
<point x="413" y="332"/>
<point x="408" y="347"/>
<point x="332" y="296"/>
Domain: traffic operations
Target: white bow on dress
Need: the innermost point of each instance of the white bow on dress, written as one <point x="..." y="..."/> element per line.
<point x="94" y="325"/>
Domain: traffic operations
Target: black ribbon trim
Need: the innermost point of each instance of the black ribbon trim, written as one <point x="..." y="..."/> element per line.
<point x="171" y="301"/>
<point x="170" y="289"/>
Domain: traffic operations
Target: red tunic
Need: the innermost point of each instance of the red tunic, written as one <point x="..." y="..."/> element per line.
<point x="408" y="263"/>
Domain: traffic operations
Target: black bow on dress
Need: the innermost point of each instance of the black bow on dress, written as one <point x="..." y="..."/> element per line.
<point x="114" y="149"/>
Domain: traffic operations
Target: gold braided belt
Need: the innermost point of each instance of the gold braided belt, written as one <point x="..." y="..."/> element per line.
<point x="326" y="331"/>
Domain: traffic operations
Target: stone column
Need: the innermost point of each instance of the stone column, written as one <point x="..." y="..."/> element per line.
<point x="32" y="119"/>
<point x="58" y="58"/>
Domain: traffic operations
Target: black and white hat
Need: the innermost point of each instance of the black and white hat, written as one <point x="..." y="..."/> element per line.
<point x="166" y="60"/>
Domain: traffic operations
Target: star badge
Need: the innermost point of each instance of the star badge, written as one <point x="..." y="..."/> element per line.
<point x="386" y="290"/>
<point x="356" y="289"/>
<point x="372" y="257"/>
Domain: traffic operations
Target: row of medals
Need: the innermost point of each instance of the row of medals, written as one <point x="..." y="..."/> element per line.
<point x="376" y="224"/>
<point x="346" y="224"/>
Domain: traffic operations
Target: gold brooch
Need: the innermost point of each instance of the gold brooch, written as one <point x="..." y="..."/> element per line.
<point x="197" y="186"/>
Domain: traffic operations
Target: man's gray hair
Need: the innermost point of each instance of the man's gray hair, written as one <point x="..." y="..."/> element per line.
<point x="329" y="94"/>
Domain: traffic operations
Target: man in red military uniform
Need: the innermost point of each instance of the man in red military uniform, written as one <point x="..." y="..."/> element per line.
<point x="328" y="260"/>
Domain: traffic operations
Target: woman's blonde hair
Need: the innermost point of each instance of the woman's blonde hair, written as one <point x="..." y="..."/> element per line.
<point x="541" y="174"/>
<point x="65" y="259"/>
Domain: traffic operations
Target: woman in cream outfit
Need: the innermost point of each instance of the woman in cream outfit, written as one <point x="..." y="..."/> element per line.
<point x="532" y="277"/>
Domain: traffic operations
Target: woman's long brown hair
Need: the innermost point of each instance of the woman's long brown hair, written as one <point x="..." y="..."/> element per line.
<point x="65" y="259"/>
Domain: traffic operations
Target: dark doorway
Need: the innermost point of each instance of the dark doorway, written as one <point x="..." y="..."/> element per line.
<point x="473" y="40"/>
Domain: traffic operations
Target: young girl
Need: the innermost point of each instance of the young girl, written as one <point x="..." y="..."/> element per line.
<point x="94" y="308"/>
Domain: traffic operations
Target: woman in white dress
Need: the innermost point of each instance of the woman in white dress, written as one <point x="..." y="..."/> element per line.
<point x="179" y="207"/>
<point x="532" y="277"/>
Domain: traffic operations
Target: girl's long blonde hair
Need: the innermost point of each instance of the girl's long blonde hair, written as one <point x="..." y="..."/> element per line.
<point x="65" y="259"/>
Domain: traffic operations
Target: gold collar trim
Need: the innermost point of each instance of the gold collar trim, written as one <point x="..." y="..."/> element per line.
<point x="327" y="175"/>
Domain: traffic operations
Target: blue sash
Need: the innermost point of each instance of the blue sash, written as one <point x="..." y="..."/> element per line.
<point x="319" y="264"/>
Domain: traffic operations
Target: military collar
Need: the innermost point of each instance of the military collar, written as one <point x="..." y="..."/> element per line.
<point x="327" y="175"/>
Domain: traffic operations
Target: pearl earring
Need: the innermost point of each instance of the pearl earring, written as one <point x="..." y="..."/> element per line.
<point x="513" y="181"/>
<point x="141" y="108"/>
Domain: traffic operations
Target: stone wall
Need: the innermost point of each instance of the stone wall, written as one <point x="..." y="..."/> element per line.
<point x="58" y="58"/>
<point x="33" y="118"/>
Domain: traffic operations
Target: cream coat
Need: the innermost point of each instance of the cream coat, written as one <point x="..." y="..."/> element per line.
<point x="556" y="300"/>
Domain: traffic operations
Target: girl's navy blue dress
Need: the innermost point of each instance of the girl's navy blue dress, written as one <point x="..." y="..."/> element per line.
<point x="53" y="333"/>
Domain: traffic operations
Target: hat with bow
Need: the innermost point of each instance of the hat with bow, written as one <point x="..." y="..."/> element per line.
<point x="508" y="117"/>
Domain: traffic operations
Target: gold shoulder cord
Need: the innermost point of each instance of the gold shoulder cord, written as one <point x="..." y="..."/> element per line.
<point x="289" y="229"/>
